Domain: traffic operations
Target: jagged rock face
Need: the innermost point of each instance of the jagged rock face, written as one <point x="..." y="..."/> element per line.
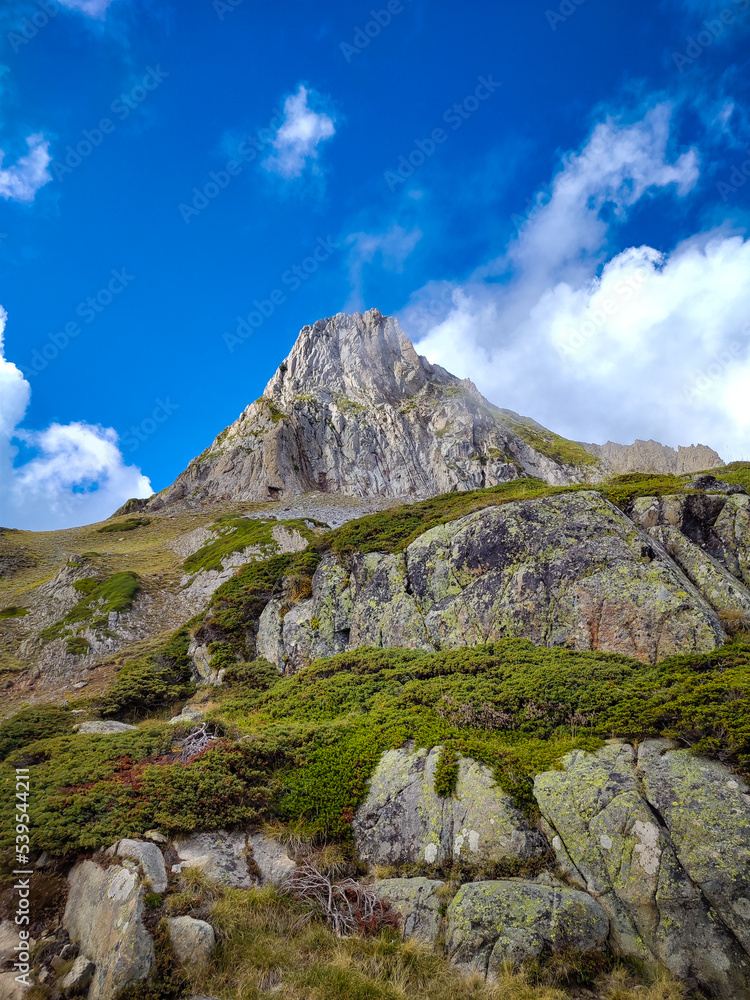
<point x="355" y="410"/>
<point x="403" y="819"/>
<point x="650" y="456"/>
<point x="661" y="839"/>
<point x="717" y="523"/>
<point x="570" y="570"/>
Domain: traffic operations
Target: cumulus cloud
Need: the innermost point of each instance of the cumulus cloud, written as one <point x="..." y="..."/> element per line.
<point x="76" y="475"/>
<point x="22" y="181"/>
<point x="600" y="346"/>
<point x="94" y="8"/>
<point x="300" y="134"/>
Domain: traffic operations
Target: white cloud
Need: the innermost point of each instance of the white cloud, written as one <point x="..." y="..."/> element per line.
<point x="299" y="135"/>
<point x="643" y="344"/>
<point x="22" y="181"/>
<point x="94" y="8"/>
<point x="77" y="474"/>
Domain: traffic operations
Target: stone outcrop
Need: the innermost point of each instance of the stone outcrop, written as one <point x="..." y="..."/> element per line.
<point x="718" y="523"/>
<point x="355" y="410"/>
<point x="569" y="570"/>
<point x="402" y="819"/>
<point x="493" y="923"/>
<point x="150" y="859"/>
<point x="650" y="456"/>
<point x="104" y="917"/>
<point x="416" y="902"/>
<point x="661" y="840"/>
<point x="234" y="858"/>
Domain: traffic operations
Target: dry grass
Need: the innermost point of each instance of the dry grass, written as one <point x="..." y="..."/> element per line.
<point x="273" y="945"/>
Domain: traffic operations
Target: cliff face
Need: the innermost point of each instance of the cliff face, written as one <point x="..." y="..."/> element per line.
<point x="650" y="456"/>
<point x="355" y="410"/>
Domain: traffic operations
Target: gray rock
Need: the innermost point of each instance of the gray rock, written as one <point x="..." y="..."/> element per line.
<point x="220" y="855"/>
<point x="610" y="842"/>
<point x="719" y="587"/>
<point x="8" y="941"/>
<point x="492" y="923"/>
<point x="10" y="989"/>
<point x="569" y="570"/>
<point x="709" y="483"/>
<point x="271" y="858"/>
<point x="354" y="410"/>
<point x="189" y="714"/>
<point x="149" y="857"/>
<point x="402" y="819"/>
<point x="103" y="916"/>
<point x="103" y="728"/>
<point x="417" y="902"/>
<point x="192" y="940"/>
<point x="650" y="456"/>
<point x="718" y="524"/>
<point x="706" y="810"/>
<point x="79" y="977"/>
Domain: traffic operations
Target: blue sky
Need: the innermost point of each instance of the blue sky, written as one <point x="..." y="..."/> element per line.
<point x="550" y="196"/>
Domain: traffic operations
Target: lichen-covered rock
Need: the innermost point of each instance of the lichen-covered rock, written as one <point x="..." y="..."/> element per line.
<point x="192" y="940"/>
<point x="417" y="903"/>
<point x="235" y="858"/>
<point x="402" y="818"/>
<point x="104" y="917"/>
<point x="492" y="923"/>
<point x="717" y="523"/>
<point x="721" y="589"/>
<point x="149" y="857"/>
<point x="706" y="810"/>
<point x="569" y="570"/>
<point x="220" y="855"/>
<point x="101" y="727"/>
<point x="611" y="843"/>
<point x="270" y="858"/>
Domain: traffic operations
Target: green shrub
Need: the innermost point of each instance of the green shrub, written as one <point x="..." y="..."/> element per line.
<point x="13" y="612"/>
<point x="76" y="645"/>
<point x="31" y="724"/>
<point x="114" y="593"/>
<point x="236" y="534"/>
<point x="129" y="524"/>
<point x="152" y="681"/>
<point x="446" y="773"/>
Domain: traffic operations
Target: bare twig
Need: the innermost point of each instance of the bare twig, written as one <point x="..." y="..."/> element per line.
<point x="348" y="906"/>
<point x="195" y="742"/>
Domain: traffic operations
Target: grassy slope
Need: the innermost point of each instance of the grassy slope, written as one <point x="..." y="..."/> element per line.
<point x="298" y="751"/>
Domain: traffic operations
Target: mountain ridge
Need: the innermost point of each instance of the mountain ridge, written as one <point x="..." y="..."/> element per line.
<point x="355" y="410"/>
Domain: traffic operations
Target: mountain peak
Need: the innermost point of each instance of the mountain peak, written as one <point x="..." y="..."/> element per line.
<point x="366" y="357"/>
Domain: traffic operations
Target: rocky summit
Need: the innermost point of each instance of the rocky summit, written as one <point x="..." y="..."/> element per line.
<point x="392" y="692"/>
<point x="354" y="410"/>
